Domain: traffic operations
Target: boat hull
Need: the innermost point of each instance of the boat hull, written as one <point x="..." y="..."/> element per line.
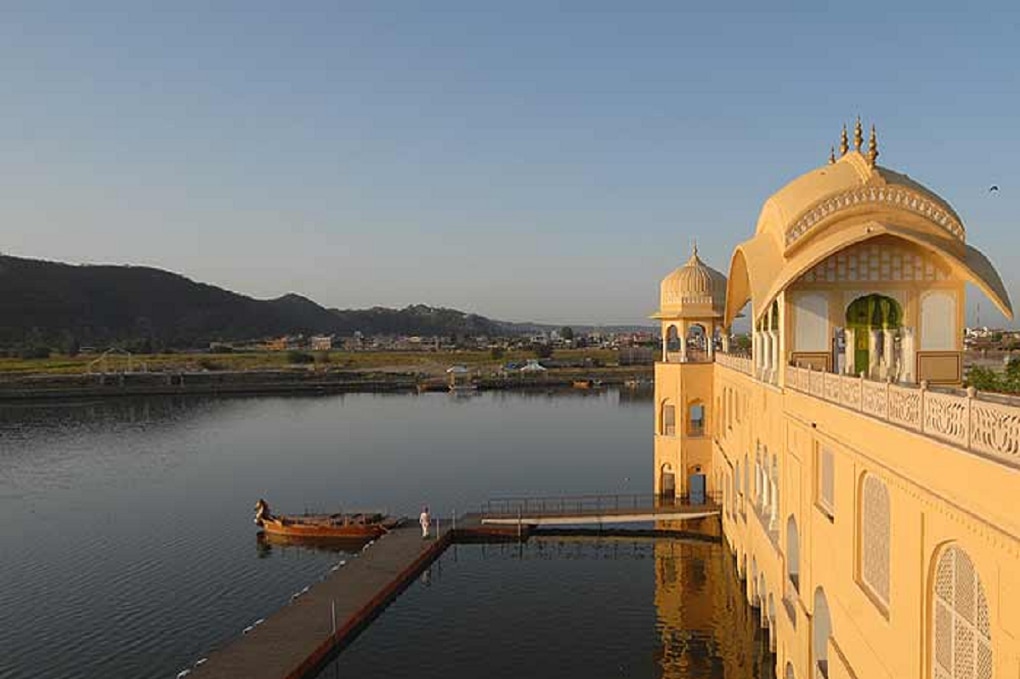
<point x="325" y="528"/>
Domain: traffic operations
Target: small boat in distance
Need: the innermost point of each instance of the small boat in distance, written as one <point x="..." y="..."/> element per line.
<point x="587" y="384"/>
<point x="342" y="526"/>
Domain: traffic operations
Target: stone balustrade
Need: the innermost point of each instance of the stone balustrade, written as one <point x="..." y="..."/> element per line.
<point x="968" y="421"/>
<point x="735" y="362"/>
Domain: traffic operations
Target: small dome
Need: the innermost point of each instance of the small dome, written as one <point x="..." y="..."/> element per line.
<point x="693" y="290"/>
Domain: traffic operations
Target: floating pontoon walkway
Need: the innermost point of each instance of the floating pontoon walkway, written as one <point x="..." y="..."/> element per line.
<point x="297" y="640"/>
<point x="293" y="642"/>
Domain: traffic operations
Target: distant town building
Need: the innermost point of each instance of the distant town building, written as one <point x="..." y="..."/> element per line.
<point x="321" y="343"/>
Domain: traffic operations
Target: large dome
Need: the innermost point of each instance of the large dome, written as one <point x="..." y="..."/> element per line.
<point x="693" y="290"/>
<point x="851" y="183"/>
<point x="848" y="201"/>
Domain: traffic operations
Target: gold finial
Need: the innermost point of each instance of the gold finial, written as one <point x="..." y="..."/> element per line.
<point x="844" y="143"/>
<point x="858" y="134"/>
<point x="832" y="155"/>
<point x="873" y="147"/>
<point x="694" y="248"/>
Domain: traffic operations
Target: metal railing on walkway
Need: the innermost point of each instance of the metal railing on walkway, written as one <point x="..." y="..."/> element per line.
<point x="593" y="505"/>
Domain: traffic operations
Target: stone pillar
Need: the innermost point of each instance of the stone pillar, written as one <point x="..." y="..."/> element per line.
<point x="889" y="353"/>
<point x="872" y="354"/>
<point x="909" y="355"/>
<point x="774" y="377"/>
<point x="756" y="349"/>
<point x="849" y="351"/>
<point x="725" y="340"/>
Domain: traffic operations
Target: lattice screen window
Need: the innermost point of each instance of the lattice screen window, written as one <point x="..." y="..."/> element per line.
<point x="826" y="481"/>
<point x="962" y="639"/>
<point x="875" y="537"/>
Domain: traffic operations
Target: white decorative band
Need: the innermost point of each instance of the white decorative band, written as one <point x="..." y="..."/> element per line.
<point x="884" y="195"/>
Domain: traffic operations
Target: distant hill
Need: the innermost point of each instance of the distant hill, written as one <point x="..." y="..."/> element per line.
<point x="52" y="303"/>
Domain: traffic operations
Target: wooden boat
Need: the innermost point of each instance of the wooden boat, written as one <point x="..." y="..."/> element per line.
<point x="341" y="526"/>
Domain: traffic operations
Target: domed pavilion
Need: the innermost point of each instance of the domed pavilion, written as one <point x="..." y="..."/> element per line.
<point x="855" y="268"/>
<point x="692" y="301"/>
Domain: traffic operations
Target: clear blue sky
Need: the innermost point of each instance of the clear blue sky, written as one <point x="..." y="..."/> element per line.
<point x="545" y="161"/>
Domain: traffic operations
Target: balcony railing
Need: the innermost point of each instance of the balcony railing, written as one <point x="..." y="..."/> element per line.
<point x="969" y="420"/>
<point x="736" y="362"/>
<point x="691" y="356"/>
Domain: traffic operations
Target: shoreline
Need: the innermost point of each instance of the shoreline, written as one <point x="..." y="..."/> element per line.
<point x="41" y="387"/>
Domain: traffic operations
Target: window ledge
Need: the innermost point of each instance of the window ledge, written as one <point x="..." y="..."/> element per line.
<point x="881" y="606"/>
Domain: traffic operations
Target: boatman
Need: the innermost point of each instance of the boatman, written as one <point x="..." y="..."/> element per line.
<point x="424" y="520"/>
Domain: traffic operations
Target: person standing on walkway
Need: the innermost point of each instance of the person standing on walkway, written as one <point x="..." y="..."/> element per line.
<point x="424" y="520"/>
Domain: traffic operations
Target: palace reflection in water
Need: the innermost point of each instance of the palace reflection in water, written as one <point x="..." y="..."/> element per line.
<point x="565" y="606"/>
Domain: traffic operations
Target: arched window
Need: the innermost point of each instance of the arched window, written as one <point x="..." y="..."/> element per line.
<point x="667" y="423"/>
<point x="696" y="419"/>
<point x="793" y="553"/>
<point x="672" y="339"/>
<point x="763" y="597"/>
<point x="697" y="342"/>
<point x="789" y="674"/>
<point x="961" y="644"/>
<point x="821" y="630"/>
<point x="874" y="532"/>
<point x="772" y="623"/>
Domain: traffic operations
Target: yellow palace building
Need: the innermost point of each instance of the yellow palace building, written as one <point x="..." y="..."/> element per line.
<point x="871" y="505"/>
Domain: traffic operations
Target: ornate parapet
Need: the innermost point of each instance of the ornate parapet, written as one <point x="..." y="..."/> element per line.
<point x="735" y="362"/>
<point x="972" y="421"/>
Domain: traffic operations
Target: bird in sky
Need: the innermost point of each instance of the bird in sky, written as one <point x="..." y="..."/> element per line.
<point x="995" y="187"/>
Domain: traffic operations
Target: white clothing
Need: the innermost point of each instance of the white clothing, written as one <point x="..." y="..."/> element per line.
<point x="424" y="520"/>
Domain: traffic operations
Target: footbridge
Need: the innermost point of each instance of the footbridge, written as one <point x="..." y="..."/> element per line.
<point x="580" y="510"/>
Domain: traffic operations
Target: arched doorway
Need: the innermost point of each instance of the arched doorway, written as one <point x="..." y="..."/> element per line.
<point x="667" y="484"/>
<point x="869" y="313"/>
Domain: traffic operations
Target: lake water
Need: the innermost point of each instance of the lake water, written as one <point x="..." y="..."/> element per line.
<point x="127" y="543"/>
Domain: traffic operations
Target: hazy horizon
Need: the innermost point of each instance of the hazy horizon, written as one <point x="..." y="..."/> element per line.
<point x="520" y="162"/>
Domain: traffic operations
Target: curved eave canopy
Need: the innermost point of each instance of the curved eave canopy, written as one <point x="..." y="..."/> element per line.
<point x="758" y="271"/>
